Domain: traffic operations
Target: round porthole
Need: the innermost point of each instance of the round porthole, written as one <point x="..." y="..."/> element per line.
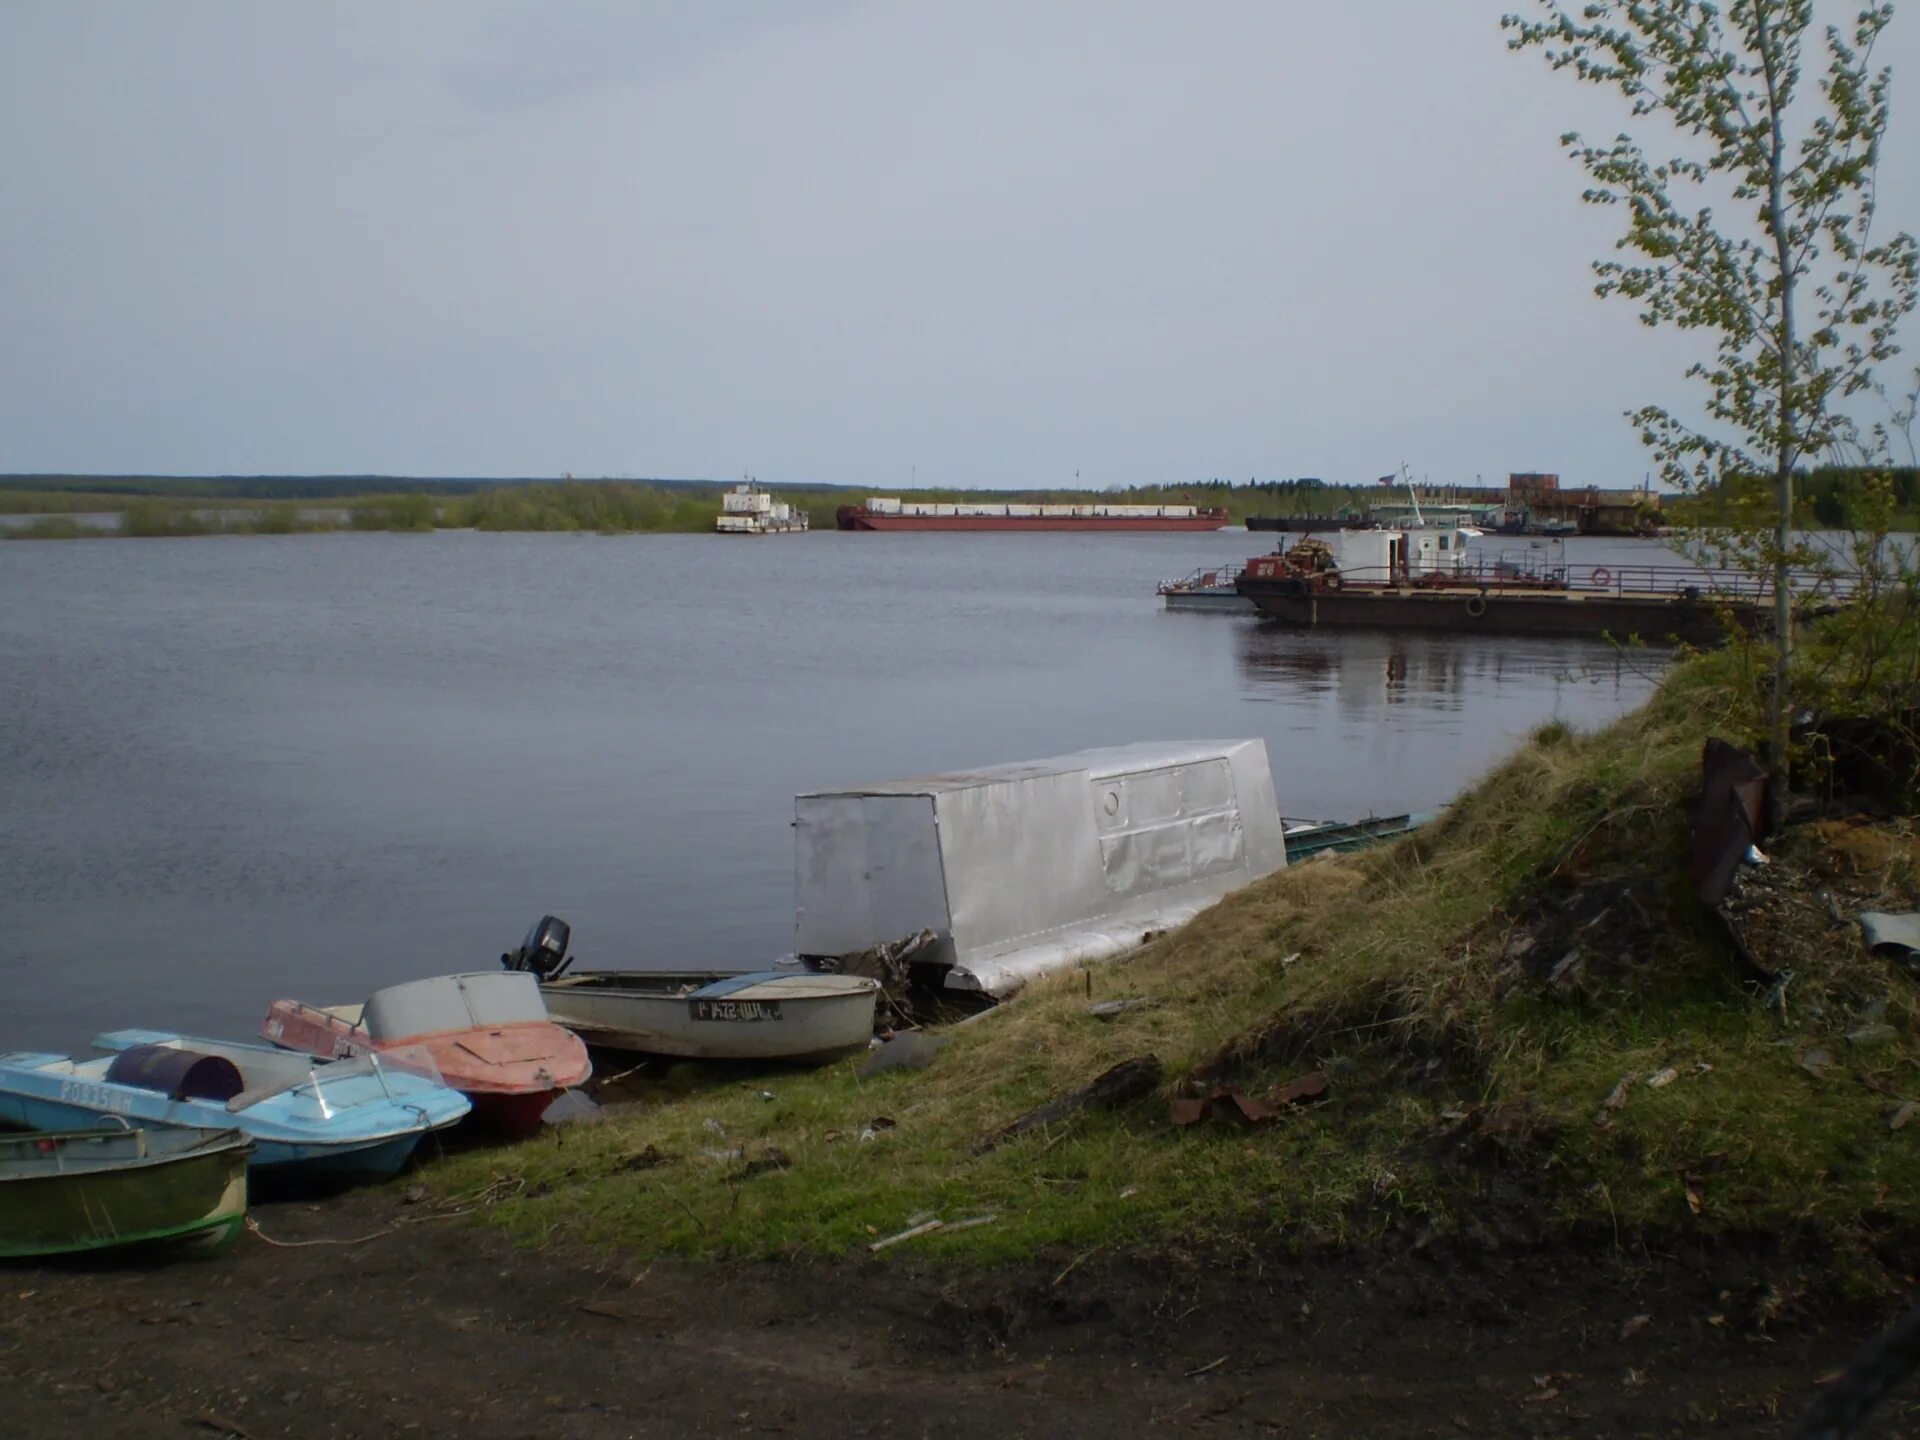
<point x="1113" y="802"/>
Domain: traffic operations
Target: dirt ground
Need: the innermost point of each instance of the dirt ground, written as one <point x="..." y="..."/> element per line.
<point x="436" y="1327"/>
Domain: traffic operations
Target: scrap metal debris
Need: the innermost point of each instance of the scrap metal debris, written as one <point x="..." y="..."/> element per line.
<point x="1897" y="937"/>
<point x="1731" y="816"/>
<point x="1109" y="1009"/>
<point x="1123" y="1084"/>
<point x="1230" y="1102"/>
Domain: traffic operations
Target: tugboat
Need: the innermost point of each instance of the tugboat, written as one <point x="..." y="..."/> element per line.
<point x="746" y="509"/>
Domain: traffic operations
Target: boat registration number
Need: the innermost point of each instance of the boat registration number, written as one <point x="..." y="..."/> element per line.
<point x="95" y="1097"/>
<point x="736" y="1009"/>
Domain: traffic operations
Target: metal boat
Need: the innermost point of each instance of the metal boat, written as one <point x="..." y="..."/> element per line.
<point x="489" y="1036"/>
<point x="79" y="1190"/>
<point x="358" y="1118"/>
<point x="1426" y="578"/>
<point x="1206" y="589"/>
<point x="1333" y="837"/>
<point x="1023" y="869"/>
<point x="761" y="1015"/>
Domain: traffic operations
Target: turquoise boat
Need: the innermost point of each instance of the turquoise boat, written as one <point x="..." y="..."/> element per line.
<point x="349" y="1119"/>
<point x="1336" y="837"/>
<point x="82" y="1190"/>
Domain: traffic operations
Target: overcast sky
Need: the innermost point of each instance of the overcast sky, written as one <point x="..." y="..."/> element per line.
<point x="976" y="242"/>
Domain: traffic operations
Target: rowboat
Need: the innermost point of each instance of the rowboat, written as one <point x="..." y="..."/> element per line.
<point x="97" y="1189"/>
<point x="763" y="1015"/>
<point x="1323" y="837"/>
<point x="489" y="1037"/>
<point x="349" y="1119"/>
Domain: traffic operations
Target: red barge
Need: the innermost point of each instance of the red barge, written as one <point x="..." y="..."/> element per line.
<point x="886" y="513"/>
<point x="1424" y="579"/>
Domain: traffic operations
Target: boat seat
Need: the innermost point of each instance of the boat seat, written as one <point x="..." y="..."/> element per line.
<point x="177" y="1074"/>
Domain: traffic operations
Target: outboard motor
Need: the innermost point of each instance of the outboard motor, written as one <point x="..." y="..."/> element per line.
<point x="544" y="951"/>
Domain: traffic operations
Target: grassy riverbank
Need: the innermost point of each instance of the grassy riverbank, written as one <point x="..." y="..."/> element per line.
<point x="1469" y="1093"/>
<point x="149" y="506"/>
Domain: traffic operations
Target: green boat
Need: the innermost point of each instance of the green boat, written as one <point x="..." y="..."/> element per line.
<point x="62" y="1192"/>
<point x="1336" y="837"/>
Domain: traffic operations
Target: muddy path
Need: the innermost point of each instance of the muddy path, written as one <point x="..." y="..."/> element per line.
<point x="438" y="1328"/>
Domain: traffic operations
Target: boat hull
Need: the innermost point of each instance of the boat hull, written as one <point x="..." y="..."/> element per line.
<point x="511" y="1072"/>
<point x="351" y="1119"/>
<point x="1220" y="598"/>
<point x="375" y="1159"/>
<point x="798" y="1018"/>
<point x="192" y="1192"/>
<point x="1653" y="618"/>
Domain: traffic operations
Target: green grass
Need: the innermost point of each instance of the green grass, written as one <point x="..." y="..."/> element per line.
<point x="1455" y="1077"/>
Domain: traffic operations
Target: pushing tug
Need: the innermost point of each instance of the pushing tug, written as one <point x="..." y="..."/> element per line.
<point x="1426" y="578"/>
<point x="746" y="509"/>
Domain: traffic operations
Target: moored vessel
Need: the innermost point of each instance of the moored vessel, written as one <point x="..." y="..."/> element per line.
<point x="71" y="1191"/>
<point x="1206" y="589"/>
<point x="768" y="1015"/>
<point x="891" y="513"/>
<point x="488" y="1035"/>
<point x="746" y="509"/>
<point x="358" y="1118"/>
<point x="1425" y="578"/>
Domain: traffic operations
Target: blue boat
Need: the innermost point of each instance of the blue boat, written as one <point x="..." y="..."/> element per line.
<point x="345" y="1119"/>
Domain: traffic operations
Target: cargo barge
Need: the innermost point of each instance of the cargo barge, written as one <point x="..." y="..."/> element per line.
<point x="1425" y="579"/>
<point x="1307" y="524"/>
<point x="887" y="513"/>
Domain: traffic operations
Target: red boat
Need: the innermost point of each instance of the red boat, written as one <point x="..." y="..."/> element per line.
<point x="486" y="1035"/>
<point x="885" y="513"/>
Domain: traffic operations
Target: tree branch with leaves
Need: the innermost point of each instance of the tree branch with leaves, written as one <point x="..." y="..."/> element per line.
<point x="1756" y="227"/>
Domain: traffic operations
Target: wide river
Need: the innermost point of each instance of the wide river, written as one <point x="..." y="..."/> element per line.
<point x="233" y="769"/>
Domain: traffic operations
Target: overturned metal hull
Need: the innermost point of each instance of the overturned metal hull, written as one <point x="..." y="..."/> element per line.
<point x="1021" y="869"/>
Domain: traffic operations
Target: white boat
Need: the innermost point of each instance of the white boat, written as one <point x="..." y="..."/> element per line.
<point x="1210" y="589"/>
<point x="784" y="1015"/>
<point x="746" y="509"/>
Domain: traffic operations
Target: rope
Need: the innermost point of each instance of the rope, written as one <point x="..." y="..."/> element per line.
<point x="254" y="1226"/>
<point x="460" y="1205"/>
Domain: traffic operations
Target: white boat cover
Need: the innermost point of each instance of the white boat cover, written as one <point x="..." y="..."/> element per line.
<point x="1024" y="868"/>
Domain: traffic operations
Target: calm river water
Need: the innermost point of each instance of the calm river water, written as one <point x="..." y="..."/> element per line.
<point x="238" y="768"/>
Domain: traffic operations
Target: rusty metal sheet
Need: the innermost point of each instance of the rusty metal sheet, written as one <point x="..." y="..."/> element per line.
<point x="1230" y="1102"/>
<point x="1731" y="816"/>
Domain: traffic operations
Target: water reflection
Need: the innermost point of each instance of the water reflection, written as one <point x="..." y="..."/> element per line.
<point x="1369" y="673"/>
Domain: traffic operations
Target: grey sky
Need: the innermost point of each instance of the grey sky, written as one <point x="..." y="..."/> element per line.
<point x="988" y="243"/>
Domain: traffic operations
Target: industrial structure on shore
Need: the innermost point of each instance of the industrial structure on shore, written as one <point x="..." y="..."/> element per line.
<point x="1532" y="504"/>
